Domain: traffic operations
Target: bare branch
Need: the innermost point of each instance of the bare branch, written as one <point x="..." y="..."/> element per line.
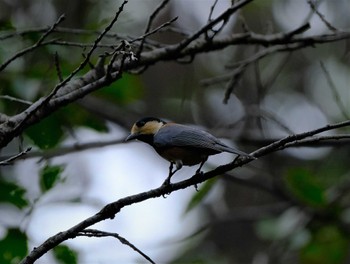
<point x="212" y="8"/>
<point x="321" y="16"/>
<point x="242" y="66"/>
<point x="157" y="29"/>
<point x="225" y="15"/>
<point x="35" y="46"/>
<point x="98" y="233"/>
<point x="58" y="67"/>
<point x="115" y="36"/>
<point x="319" y="141"/>
<point x="14" y="99"/>
<point x="42" y="103"/>
<point x="64" y="150"/>
<point x="280" y="144"/>
<point x="334" y="91"/>
<point x="10" y="160"/>
<point x="149" y="24"/>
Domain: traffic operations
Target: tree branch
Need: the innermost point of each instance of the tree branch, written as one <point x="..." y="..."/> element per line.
<point x="35" y="46"/>
<point x="10" y="160"/>
<point x="110" y="210"/>
<point x="149" y="24"/>
<point x="98" y="233"/>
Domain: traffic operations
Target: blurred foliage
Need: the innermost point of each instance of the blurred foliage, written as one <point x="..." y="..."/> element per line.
<point x="12" y="193"/>
<point x="123" y="92"/>
<point x="49" y="176"/>
<point x="328" y="245"/>
<point x="46" y="134"/>
<point x="13" y="247"/>
<point x="65" y="255"/>
<point x="306" y="187"/>
<point x="76" y="116"/>
<point x="201" y="193"/>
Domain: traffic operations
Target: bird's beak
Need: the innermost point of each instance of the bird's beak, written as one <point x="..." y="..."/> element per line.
<point x="132" y="136"/>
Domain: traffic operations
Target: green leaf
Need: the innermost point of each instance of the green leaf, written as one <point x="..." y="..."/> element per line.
<point x="286" y="225"/>
<point x="75" y="115"/>
<point x="13" y="247"/>
<point x="65" y="255"/>
<point x="201" y="194"/>
<point x="11" y="193"/>
<point x="124" y="91"/>
<point x="46" y="134"/>
<point x="306" y="187"/>
<point x="6" y="25"/>
<point x="328" y="245"/>
<point x="49" y="175"/>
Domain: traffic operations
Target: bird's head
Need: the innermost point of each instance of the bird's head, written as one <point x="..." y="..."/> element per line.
<point x="145" y="128"/>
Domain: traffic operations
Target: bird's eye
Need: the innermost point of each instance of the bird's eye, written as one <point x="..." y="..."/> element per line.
<point x="140" y="123"/>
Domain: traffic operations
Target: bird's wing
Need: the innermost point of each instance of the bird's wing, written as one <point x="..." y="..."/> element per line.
<point x="185" y="136"/>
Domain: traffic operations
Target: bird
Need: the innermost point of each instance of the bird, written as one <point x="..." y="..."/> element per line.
<point x="179" y="144"/>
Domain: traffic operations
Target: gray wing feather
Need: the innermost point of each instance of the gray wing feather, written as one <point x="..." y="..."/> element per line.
<point x="185" y="136"/>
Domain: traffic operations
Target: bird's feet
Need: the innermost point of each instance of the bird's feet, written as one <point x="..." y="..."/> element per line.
<point x="166" y="185"/>
<point x="199" y="173"/>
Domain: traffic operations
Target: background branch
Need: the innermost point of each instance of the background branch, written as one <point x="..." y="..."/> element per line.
<point x="33" y="47"/>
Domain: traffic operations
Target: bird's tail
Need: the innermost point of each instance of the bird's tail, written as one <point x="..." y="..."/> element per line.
<point x="235" y="151"/>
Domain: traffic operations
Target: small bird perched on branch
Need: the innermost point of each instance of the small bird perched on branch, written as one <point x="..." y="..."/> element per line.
<point x="179" y="144"/>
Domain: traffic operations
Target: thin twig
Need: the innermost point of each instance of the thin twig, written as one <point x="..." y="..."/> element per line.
<point x="88" y="55"/>
<point x="14" y="99"/>
<point x="43" y="101"/>
<point x="157" y="29"/>
<point x="321" y="16"/>
<point x="334" y="90"/>
<point x="277" y="145"/>
<point x="312" y="141"/>
<point x="33" y="47"/>
<point x="58" y="67"/>
<point x="212" y="8"/>
<point x="74" y="31"/>
<point x="98" y="233"/>
<point x="259" y="85"/>
<point x="64" y="150"/>
<point x="242" y="65"/>
<point x="232" y="83"/>
<point x="275" y="73"/>
<point x="258" y="112"/>
<point x="149" y="24"/>
<point x="10" y="160"/>
<point x="215" y="80"/>
<point x="120" y="50"/>
<point x="225" y="15"/>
